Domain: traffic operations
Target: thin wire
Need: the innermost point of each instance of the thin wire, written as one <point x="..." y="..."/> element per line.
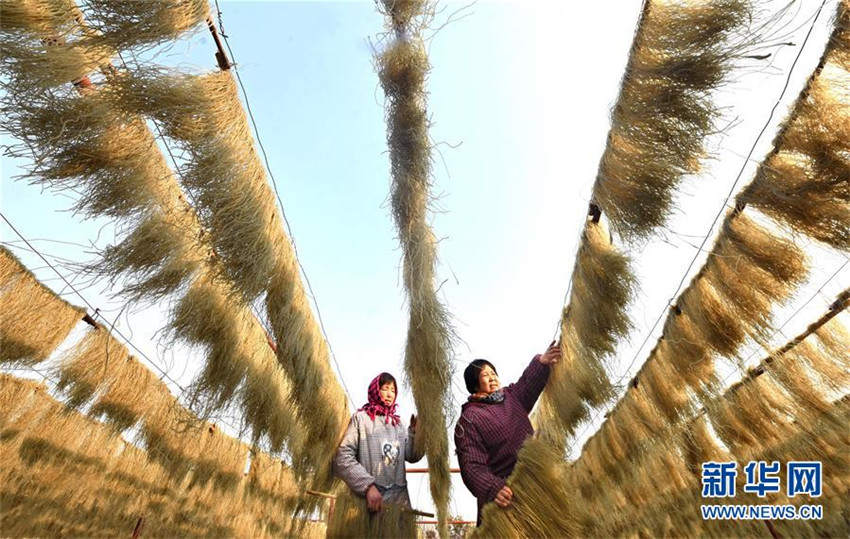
<point x="162" y="139"/>
<point x="729" y="195"/>
<point x="665" y="433"/>
<point x="787" y="320"/>
<point x="818" y="292"/>
<point x="590" y="422"/>
<point x="280" y="203"/>
<point x="179" y="172"/>
<point x="644" y="7"/>
<point x="177" y="169"/>
<point x="95" y="311"/>
<point x="46" y="376"/>
<point x="797" y="311"/>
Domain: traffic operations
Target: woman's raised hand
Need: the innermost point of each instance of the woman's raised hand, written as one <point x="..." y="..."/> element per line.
<point x="551" y="355"/>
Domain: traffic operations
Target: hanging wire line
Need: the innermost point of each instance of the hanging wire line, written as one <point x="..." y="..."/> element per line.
<point x="160" y="136"/>
<point x="701" y="247"/>
<point x="635" y="33"/>
<point x="94" y="311"/>
<point x="47" y="376"/>
<point x="817" y="293"/>
<point x="664" y="434"/>
<point x="280" y="202"/>
<point x="728" y="196"/>
<point x="49" y="240"/>
<point x="797" y="311"/>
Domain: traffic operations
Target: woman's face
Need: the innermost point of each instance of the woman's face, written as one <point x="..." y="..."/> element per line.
<point x="488" y="380"/>
<point x="387" y="393"/>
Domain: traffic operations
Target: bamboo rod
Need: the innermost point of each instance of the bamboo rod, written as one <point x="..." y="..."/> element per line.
<point x="419" y="513"/>
<point x="321" y="494"/>
<point x="332" y="497"/>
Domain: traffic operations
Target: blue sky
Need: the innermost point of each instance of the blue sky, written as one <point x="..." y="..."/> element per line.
<point x="520" y="94"/>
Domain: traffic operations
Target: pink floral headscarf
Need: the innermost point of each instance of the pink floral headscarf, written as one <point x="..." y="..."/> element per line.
<point x="376" y="406"/>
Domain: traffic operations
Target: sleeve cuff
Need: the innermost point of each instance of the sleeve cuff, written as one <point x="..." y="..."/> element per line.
<point x="363" y="492"/>
<point x="497" y="486"/>
<point x="538" y="365"/>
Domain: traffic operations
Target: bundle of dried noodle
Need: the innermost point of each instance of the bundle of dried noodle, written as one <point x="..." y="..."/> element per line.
<point x="682" y="52"/>
<point x="34" y="320"/>
<point x="402" y="69"/>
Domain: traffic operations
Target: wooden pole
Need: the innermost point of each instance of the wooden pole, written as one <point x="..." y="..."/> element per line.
<point x="137" y="531"/>
<point x="418" y="513"/>
<point x="332" y="498"/>
<point x="88" y="319"/>
<point x="220" y="55"/>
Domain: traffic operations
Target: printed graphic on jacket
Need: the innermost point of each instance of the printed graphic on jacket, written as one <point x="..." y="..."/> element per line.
<point x="389" y="452"/>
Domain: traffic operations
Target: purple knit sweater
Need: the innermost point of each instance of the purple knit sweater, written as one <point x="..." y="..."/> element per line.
<point x="488" y="435"/>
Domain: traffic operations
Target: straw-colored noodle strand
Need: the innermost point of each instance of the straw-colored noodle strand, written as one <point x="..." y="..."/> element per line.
<point x="402" y="70"/>
<point x="34" y="320"/>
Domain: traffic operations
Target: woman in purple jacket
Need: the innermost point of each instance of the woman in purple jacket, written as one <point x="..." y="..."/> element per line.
<point x="494" y="424"/>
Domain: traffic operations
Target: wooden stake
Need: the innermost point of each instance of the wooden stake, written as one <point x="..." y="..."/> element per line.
<point x="220" y="55"/>
<point x="331" y="509"/>
<point x="137" y="532"/>
<point x="91" y="321"/>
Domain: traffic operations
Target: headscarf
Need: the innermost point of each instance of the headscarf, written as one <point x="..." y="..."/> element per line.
<point x="376" y="406"/>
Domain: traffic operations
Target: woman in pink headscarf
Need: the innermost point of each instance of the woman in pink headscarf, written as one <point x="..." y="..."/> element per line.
<point x="376" y="444"/>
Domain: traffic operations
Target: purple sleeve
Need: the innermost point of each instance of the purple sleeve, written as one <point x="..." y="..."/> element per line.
<point x="529" y="386"/>
<point x="473" y="461"/>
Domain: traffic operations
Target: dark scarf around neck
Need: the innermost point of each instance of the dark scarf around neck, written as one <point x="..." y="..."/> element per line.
<point x="488" y="398"/>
